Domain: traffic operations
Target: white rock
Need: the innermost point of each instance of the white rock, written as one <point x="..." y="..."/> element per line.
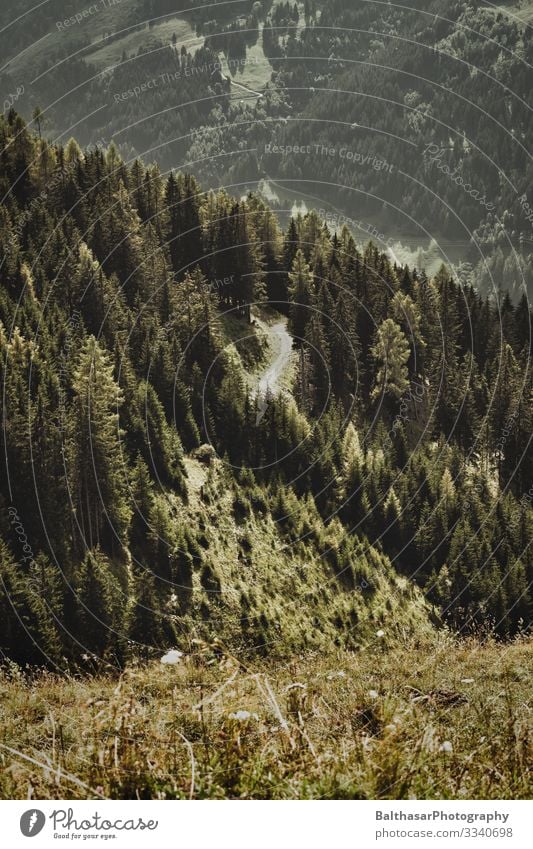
<point x="172" y="657"/>
<point x="243" y="715"/>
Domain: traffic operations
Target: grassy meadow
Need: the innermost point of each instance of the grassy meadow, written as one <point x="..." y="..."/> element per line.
<point x="419" y="720"/>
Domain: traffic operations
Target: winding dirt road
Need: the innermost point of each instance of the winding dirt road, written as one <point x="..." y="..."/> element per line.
<point x="280" y="343"/>
<point x="275" y="377"/>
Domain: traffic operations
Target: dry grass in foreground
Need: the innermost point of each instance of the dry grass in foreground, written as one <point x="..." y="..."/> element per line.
<point x="442" y="720"/>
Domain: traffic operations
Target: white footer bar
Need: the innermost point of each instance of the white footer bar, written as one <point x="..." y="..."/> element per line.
<point x="264" y="825"/>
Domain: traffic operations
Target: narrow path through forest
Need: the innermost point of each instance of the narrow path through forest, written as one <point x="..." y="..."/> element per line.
<point x="275" y="375"/>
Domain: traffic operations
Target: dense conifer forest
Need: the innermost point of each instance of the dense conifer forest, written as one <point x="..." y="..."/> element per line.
<point x="266" y="489"/>
<point x="210" y="89"/>
<point x="389" y="482"/>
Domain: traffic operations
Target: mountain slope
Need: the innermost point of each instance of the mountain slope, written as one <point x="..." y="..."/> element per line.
<point x="275" y="582"/>
<point x="398" y="464"/>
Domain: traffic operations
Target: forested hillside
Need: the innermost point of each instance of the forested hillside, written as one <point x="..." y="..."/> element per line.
<point x="414" y="118"/>
<point x="152" y="497"/>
